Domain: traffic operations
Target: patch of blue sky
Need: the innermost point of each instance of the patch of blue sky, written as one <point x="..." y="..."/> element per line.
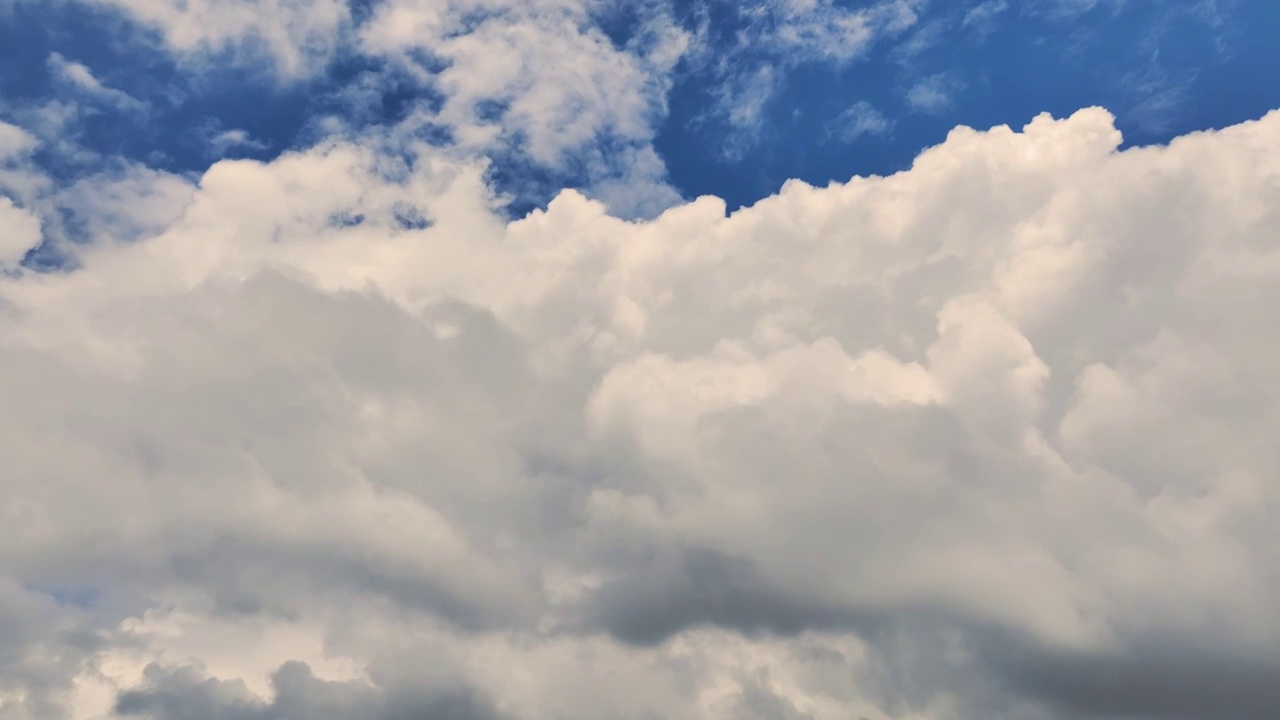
<point x="187" y="117"/>
<point x="1164" y="69"/>
<point x="84" y="598"/>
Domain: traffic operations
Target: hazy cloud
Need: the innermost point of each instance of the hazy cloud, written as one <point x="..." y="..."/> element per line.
<point x="858" y="120"/>
<point x="935" y="93"/>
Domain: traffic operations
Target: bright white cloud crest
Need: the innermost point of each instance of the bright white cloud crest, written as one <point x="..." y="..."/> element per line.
<point x="1002" y="419"/>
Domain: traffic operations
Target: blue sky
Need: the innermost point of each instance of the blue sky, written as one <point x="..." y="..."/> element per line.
<point x="639" y="359"/>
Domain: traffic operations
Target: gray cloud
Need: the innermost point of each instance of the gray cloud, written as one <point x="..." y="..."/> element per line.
<point x="183" y="694"/>
<point x="1153" y="679"/>
<point x="677" y="591"/>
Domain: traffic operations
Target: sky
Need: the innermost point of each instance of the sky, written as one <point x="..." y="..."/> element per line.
<point x="639" y="359"/>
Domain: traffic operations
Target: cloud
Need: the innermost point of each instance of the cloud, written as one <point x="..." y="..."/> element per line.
<point x="540" y="84"/>
<point x="235" y="139"/>
<point x="297" y="37"/>
<point x="743" y="102"/>
<point x="537" y="88"/>
<point x="807" y="30"/>
<point x="80" y="77"/>
<point x="961" y="442"/>
<point x="19" y="178"/>
<point x="858" y="120"/>
<point x="936" y="93"/>
<point x="119" y="206"/>
<point x="21" y="232"/>
<point x="778" y="36"/>
<point x="14" y="142"/>
<point x="1158" y="92"/>
<point x="983" y="17"/>
<point x="1066" y="10"/>
<point x="296" y="694"/>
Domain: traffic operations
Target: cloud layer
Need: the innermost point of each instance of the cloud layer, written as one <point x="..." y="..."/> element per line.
<point x="330" y="437"/>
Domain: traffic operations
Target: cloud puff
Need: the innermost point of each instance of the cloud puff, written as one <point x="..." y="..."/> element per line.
<point x="227" y="141"/>
<point x="540" y="89"/>
<point x="21" y="232"/>
<point x="540" y="84"/>
<point x="824" y="30"/>
<point x="18" y="177"/>
<point x="972" y="440"/>
<point x="859" y="119"/>
<point x="935" y="93"/>
<point x="298" y="37"/>
<point x="983" y="17"/>
<point x="79" y="76"/>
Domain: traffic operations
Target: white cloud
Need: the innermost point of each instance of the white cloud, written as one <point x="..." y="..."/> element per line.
<point x="297" y="36"/>
<point x="805" y="30"/>
<point x="134" y="202"/>
<point x="779" y="36"/>
<point x="83" y="79"/>
<point x="973" y="440"/>
<point x="538" y="84"/>
<point x="858" y="120"/>
<point x="540" y="80"/>
<point x="235" y="139"/>
<point x="743" y="101"/>
<point x="18" y="177"/>
<point x="21" y="232"/>
<point x="983" y="17"/>
<point x="1069" y="9"/>
<point x="936" y="93"/>
<point x="14" y="142"/>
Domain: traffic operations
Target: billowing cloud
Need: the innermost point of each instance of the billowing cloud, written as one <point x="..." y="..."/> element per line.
<point x="539" y="83"/>
<point x="328" y="436"/>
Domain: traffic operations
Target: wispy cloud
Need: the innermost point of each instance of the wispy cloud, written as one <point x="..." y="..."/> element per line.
<point x="778" y="36"/>
<point x="289" y="40"/>
<point x="221" y="143"/>
<point x="983" y="17"/>
<point x="80" y="77"/>
<point x="858" y="120"/>
<point x="936" y="93"/>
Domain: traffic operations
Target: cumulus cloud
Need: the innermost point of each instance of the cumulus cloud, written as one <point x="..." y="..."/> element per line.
<point x="540" y="83"/>
<point x="973" y="440"/>
<point x="538" y="86"/>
